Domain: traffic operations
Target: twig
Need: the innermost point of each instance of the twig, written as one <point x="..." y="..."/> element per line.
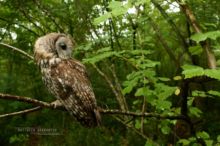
<point x="115" y="35"/>
<point x="114" y="90"/>
<point x="118" y="87"/>
<point x="132" y="128"/>
<point x="149" y="115"/>
<point x="143" y="110"/>
<point x="18" y="50"/>
<point x="21" y="112"/>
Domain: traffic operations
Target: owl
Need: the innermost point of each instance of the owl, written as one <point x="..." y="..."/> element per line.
<point x="66" y="78"/>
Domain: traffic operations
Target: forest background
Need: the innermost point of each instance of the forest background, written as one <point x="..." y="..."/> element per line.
<point x="153" y="64"/>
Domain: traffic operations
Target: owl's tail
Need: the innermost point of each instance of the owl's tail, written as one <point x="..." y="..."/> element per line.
<point x="93" y="119"/>
<point x="97" y="117"/>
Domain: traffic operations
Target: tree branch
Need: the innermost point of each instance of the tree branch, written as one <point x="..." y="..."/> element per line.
<point x="26" y="99"/>
<point x="118" y="87"/>
<point x="42" y="104"/>
<point x="21" y="112"/>
<point x="163" y="42"/>
<point x="18" y="50"/>
<point x="31" y="19"/>
<point x="48" y="14"/>
<point x="175" y="28"/>
<point x="149" y="115"/>
<point x="195" y="25"/>
<point x="114" y="90"/>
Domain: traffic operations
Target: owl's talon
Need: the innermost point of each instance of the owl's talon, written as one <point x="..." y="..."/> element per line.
<point x="56" y="104"/>
<point x="54" y="61"/>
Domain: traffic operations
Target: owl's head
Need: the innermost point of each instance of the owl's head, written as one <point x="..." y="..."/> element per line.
<point x="63" y="47"/>
<point x="53" y="45"/>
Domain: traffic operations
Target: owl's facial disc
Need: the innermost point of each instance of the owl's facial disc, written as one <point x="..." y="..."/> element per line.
<point x="64" y="47"/>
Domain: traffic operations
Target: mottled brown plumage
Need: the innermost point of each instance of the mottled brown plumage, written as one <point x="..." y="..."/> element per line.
<point x="66" y="78"/>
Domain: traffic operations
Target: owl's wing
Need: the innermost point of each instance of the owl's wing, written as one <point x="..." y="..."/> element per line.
<point x="74" y="90"/>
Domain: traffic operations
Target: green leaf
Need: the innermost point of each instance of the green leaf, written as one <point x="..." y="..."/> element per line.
<point x="163" y="79"/>
<point x="218" y="138"/>
<point x="177" y="91"/>
<point x="140" y="52"/>
<point x="213" y="34"/>
<point x="163" y="104"/>
<point x="165" y="129"/>
<point x="101" y="18"/>
<point x="177" y="78"/>
<point x="149" y="142"/>
<point x="185" y="142"/>
<point x="203" y="135"/>
<point x="190" y="71"/>
<point x="198" y="37"/>
<point x="214" y="93"/>
<point x="195" y="50"/>
<point x="197" y="93"/>
<point x="190" y="101"/>
<point x="137" y="124"/>
<point x="149" y="74"/>
<point x="141" y="2"/>
<point x="106" y="49"/>
<point x="195" y="111"/>
<point x="119" y="11"/>
<point x="149" y="63"/>
<point x="209" y="142"/>
<point x="31" y="62"/>
<point x="127" y="90"/>
<point x="129" y="86"/>
<point x="136" y="102"/>
<point x="188" y="67"/>
<point x="115" y="5"/>
<point x="141" y="91"/>
<point x="118" y="8"/>
<point x="134" y="74"/>
<point x="213" y="73"/>
<point x="164" y="91"/>
<point x="216" y="47"/>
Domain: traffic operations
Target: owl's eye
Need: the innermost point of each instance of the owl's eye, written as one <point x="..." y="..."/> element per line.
<point x="63" y="46"/>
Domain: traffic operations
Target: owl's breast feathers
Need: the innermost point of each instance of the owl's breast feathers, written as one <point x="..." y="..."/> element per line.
<point x="68" y="81"/>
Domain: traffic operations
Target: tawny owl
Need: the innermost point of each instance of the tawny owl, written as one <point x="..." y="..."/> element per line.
<point x="66" y="78"/>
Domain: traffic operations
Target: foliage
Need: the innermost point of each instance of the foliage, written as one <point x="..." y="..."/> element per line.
<point x="203" y="36"/>
<point x="143" y="56"/>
